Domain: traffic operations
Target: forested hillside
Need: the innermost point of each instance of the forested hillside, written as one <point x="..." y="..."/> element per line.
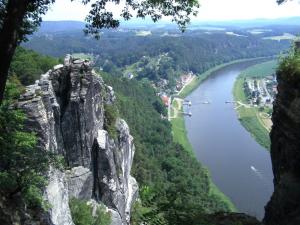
<point x="23" y="166"/>
<point x="174" y="187"/>
<point x="194" y="51"/>
<point x="28" y="65"/>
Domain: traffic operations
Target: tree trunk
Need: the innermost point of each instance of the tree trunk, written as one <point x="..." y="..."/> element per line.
<point x="9" y="37"/>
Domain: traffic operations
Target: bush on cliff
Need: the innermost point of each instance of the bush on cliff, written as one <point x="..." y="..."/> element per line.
<point x="82" y="213"/>
<point x="110" y="115"/>
<point x="23" y="168"/>
<point x="289" y="67"/>
<point x="22" y="165"/>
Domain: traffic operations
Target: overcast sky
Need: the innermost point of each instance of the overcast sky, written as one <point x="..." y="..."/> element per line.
<point x="210" y="10"/>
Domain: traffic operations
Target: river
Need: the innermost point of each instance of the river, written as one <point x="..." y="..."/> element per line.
<point x="239" y="166"/>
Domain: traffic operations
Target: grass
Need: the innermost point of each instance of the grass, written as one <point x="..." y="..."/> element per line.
<point x="180" y="134"/>
<point x="179" y="131"/>
<point x="215" y="192"/>
<point x="260" y="70"/>
<point x="249" y="117"/>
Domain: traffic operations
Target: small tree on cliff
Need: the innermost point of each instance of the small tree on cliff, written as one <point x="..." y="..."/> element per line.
<point x="19" y="18"/>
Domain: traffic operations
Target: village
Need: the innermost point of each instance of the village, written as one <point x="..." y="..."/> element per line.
<point x="181" y="82"/>
<point x="261" y="92"/>
<point x="168" y="96"/>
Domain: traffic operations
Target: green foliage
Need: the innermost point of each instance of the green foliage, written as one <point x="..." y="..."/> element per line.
<point x="196" y="51"/>
<point x="110" y="115"/>
<point x="82" y="213"/>
<point x="260" y="70"/>
<point x="180" y="134"/>
<point x="173" y="184"/>
<point x="157" y="68"/>
<point x="160" y="107"/>
<point x="31" y="18"/>
<point x="23" y="166"/>
<point x="142" y="214"/>
<point x="28" y="65"/>
<point x="289" y="68"/>
<point x="100" y="17"/>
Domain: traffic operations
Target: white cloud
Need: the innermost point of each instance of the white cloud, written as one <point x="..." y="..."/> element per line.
<point x="210" y="10"/>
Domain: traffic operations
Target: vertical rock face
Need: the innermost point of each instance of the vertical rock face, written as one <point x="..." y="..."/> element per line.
<point x="65" y="108"/>
<point x="284" y="206"/>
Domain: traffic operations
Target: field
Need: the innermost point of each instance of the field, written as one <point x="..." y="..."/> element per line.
<point x="260" y="70"/>
<point x="251" y="118"/>
<point x="285" y="36"/>
<point x="143" y="33"/>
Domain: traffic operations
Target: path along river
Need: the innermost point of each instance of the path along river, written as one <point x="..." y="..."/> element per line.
<point x="239" y="166"/>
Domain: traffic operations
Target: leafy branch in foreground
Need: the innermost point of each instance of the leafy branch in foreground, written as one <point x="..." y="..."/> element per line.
<point x="19" y="18"/>
<point x="99" y="17"/>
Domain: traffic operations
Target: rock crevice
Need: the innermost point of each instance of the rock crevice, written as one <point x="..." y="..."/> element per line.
<point x="65" y="108"/>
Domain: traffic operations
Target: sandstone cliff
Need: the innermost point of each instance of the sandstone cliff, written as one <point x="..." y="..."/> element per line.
<point x="284" y="206"/>
<point x="65" y="108"/>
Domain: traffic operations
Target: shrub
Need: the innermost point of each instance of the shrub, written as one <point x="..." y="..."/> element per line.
<point x="23" y="167"/>
<point x="82" y="213"/>
<point x="289" y="68"/>
<point x="110" y="117"/>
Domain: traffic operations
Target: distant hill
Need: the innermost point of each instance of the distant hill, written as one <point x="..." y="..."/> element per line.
<point x="59" y="26"/>
<point x="63" y="26"/>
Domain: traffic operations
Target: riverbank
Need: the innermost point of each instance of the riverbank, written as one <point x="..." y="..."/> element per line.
<point x="249" y="117"/>
<point x="223" y="145"/>
<point x="180" y="136"/>
<point x="178" y="126"/>
<point x="179" y="129"/>
<point x="180" y="132"/>
<point x="253" y="119"/>
<point x="200" y="78"/>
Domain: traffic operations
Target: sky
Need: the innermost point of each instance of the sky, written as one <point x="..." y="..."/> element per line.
<point x="209" y="10"/>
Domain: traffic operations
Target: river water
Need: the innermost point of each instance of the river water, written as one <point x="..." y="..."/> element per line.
<point x="239" y="166"/>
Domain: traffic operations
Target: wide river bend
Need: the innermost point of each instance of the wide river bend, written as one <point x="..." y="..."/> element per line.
<point x="239" y="166"/>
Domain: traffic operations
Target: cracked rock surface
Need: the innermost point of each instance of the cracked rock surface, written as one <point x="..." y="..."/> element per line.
<point x="65" y="108"/>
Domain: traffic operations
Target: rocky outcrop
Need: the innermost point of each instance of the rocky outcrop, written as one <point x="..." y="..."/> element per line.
<point x="284" y="206"/>
<point x="56" y="194"/>
<point x="65" y="108"/>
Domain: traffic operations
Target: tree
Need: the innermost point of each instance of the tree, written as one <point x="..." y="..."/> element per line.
<point x="19" y="18"/>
